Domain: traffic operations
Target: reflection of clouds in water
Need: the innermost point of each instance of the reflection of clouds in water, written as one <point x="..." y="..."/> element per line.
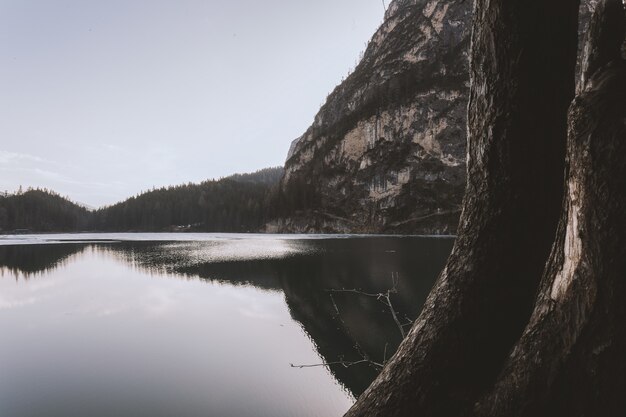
<point x="108" y="312"/>
<point x="43" y="285"/>
<point x="26" y="293"/>
<point x="258" y="312"/>
<point x="153" y="302"/>
<point x="166" y="258"/>
<point x="159" y="301"/>
<point x="250" y="304"/>
<point x="12" y="303"/>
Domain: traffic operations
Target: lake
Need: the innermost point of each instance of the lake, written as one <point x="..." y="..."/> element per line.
<point x="186" y="325"/>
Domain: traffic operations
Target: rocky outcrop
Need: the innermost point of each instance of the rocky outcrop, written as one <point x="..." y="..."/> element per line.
<point x="387" y="151"/>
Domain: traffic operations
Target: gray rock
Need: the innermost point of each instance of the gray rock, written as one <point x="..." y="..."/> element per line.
<point x="386" y="152"/>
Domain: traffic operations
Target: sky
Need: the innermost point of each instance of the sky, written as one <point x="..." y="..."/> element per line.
<point x="100" y="100"/>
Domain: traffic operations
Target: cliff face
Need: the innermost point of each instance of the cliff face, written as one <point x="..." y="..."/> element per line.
<point x="387" y="151"/>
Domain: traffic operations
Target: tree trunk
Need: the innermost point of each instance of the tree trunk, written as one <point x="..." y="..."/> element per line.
<point x="571" y="359"/>
<point x="522" y="81"/>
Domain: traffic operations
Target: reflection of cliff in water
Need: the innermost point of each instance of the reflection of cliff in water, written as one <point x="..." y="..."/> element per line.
<point x="348" y="326"/>
<point x="344" y="326"/>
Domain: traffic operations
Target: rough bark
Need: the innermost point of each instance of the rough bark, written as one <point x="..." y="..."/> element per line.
<point x="571" y="359"/>
<point x="516" y="152"/>
<point x="604" y="38"/>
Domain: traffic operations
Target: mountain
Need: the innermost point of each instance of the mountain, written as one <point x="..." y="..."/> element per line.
<point x="386" y="152"/>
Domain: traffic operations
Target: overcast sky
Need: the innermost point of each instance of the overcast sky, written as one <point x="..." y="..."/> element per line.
<point x="101" y="99"/>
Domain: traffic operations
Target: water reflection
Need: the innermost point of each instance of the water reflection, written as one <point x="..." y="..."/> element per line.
<point x="311" y="274"/>
<point x="29" y="260"/>
<point x="350" y="326"/>
<point x="345" y="326"/>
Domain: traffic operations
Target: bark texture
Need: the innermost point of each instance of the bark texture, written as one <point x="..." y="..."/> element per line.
<point x="483" y="299"/>
<point x="604" y="38"/>
<point x="571" y="359"/>
<point x="467" y="354"/>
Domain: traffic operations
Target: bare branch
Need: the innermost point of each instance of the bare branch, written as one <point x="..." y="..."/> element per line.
<point x="345" y="364"/>
<point x="384" y="298"/>
<point x="355" y="291"/>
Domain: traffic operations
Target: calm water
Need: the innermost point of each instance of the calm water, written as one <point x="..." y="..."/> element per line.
<point x="201" y="325"/>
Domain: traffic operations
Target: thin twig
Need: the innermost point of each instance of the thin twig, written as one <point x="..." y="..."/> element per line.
<point x="384" y="298"/>
<point x="355" y="291"/>
<point x="385" y="353"/>
<point x="347" y="329"/>
<point x="345" y="364"/>
<point x="394" y="290"/>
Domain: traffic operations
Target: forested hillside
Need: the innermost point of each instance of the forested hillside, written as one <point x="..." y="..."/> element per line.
<point x="42" y="211"/>
<point x="239" y="203"/>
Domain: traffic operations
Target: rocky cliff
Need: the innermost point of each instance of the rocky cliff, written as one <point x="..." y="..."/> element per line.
<point x="386" y="152"/>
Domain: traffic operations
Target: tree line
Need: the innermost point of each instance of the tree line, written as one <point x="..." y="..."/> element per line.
<point x="41" y="210"/>
<point x="238" y="203"/>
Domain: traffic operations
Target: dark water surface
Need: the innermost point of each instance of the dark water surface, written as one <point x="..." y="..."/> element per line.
<point x="202" y="325"/>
